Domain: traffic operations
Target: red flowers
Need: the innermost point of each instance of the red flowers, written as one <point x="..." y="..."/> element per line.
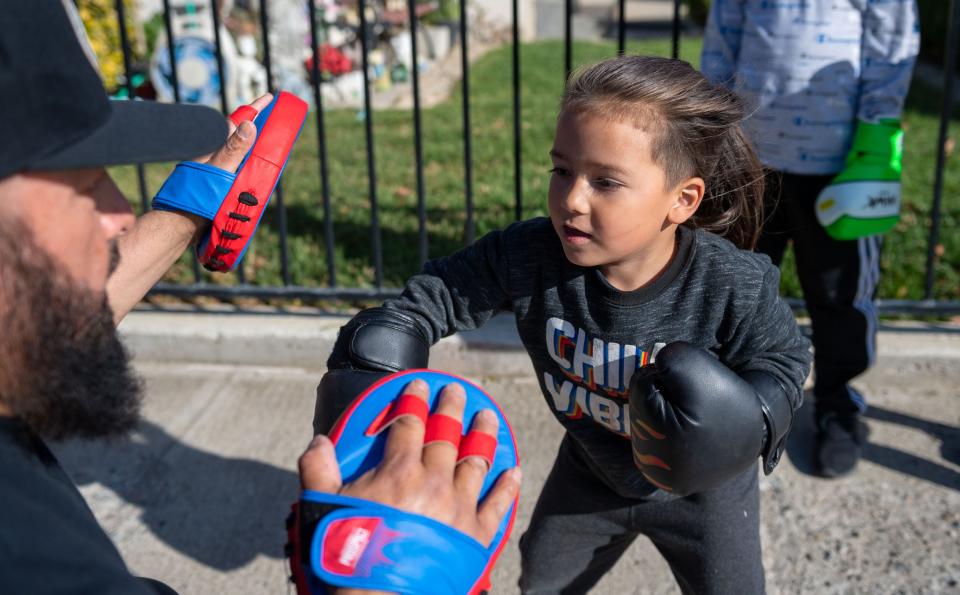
<point x="332" y="61"/>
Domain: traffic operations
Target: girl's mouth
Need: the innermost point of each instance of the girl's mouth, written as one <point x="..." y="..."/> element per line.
<point x="575" y="236"/>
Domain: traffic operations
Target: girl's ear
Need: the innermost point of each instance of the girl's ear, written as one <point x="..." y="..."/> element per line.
<point x="689" y="193"/>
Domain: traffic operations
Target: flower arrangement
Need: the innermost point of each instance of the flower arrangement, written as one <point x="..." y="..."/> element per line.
<point x="333" y="62"/>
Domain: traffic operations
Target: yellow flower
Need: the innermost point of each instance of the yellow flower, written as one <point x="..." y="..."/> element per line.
<point x="100" y="21"/>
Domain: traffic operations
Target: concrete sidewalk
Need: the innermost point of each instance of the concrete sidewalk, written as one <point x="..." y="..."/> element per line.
<point x="197" y="498"/>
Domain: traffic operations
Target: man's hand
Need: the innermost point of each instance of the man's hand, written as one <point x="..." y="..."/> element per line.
<point x="239" y="140"/>
<point x="425" y="480"/>
<point x="160" y="237"/>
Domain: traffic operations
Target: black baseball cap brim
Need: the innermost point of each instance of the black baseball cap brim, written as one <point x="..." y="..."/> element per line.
<point x="141" y="132"/>
<point x="57" y="114"/>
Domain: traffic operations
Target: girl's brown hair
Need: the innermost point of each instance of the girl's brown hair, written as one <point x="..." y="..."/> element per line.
<point x="696" y="132"/>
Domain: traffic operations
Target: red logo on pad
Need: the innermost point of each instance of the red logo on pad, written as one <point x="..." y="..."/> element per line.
<point x="345" y="541"/>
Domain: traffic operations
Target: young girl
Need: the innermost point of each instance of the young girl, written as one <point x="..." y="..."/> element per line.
<point x="655" y="198"/>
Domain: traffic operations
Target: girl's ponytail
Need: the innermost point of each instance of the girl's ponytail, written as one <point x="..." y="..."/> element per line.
<point x="733" y="204"/>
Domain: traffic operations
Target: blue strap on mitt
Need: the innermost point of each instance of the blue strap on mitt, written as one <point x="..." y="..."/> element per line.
<point x="235" y="203"/>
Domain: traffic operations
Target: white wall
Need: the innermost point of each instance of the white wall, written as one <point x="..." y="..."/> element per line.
<point x="499" y="12"/>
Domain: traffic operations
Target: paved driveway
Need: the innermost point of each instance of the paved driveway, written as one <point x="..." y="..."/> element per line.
<point x="198" y="496"/>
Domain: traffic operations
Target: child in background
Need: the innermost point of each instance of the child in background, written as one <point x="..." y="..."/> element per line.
<point x="638" y="295"/>
<point x="826" y="81"/>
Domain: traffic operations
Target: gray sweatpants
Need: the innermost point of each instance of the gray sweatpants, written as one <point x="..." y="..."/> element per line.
<point x="580" y="527"/>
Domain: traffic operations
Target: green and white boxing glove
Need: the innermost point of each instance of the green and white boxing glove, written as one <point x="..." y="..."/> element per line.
<point x="864" y="199"/>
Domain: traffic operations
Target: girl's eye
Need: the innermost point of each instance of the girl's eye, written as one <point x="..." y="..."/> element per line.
<point x="558" y="171"/>
<point x="607" y="184"/>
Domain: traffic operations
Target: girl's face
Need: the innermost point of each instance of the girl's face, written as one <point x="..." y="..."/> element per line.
<point x="609" y="202"/>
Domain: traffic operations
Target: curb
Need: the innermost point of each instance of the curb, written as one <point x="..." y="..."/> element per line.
<point x="303" y="339"/>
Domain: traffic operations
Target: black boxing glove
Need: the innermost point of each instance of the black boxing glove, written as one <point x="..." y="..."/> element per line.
<point x="375" y="343"/>
<point x="695" y="423"/>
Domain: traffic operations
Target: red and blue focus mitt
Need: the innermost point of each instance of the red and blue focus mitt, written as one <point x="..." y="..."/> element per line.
<point x="340" y="541"/>
<point x="235" y="202"/>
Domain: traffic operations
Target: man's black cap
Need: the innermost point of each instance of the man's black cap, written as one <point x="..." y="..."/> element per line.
<point x="56" y="114"/>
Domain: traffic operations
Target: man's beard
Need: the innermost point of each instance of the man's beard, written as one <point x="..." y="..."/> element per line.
<point x="63" y="369"/>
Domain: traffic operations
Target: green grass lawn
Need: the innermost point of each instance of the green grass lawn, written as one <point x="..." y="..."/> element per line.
<point x="493" y="182"/>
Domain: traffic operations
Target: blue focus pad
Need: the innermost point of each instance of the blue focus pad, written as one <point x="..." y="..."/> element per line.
<point x="400" y="552"/>
<point x="196" y="188"/>
<point x="358" y="452"/>
<point x="366" y="545"/>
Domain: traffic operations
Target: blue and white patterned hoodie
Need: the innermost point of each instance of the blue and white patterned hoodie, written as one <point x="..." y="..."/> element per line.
<point x="809" y="69"/>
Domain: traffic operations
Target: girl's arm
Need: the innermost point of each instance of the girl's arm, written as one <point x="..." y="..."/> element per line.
<point x="462" y="291"/>
<point x="768" y="349"/>
<point x="769" y="340"/>
<point x="453" y="293"/>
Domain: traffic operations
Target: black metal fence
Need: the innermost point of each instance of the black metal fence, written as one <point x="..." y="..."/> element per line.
<point x="333" y="290"/>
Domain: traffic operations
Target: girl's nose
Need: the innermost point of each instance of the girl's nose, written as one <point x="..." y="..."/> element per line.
<point x="575" y="200"/>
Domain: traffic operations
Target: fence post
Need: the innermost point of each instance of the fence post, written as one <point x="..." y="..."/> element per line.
<point x="322" y="145"/>
<point x="567" y="39"/>
<point x="470" y="230"/>
<point x="125" y="47"/>
<point x="418" y="135"/>
<point x="517" y="170"/>
<point x="281" y="210"/>
<point x="621" y="27"/>
<point x="675" y="52"/>
<point x="948" y="75"/>
<point x="371" y="163"/>
<point x="224" y="107"/>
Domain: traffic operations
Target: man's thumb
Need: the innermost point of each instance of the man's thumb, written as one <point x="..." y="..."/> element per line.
<point x="319" y="470"/>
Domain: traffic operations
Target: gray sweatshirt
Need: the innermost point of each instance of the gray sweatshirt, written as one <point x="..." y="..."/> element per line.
<point x="586" y="338"/>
